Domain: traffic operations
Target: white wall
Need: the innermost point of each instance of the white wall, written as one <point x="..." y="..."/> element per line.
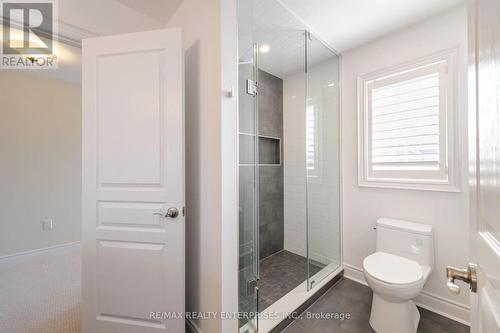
<point x="323" y="190"/>
<point x="200" y="21"/>
<point x="448" y="212"/>
<point x="40" y="150"/>
<point x="104" y="17"/>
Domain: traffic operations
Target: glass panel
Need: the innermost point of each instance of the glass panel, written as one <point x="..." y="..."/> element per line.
<point x="248" y="172"/>
<point x="322" y="142"/>
<point x="281" y="95"/>
<point x="282" y="178"/>
<point x="289" y="157"/>
<point x="277" y="40"/>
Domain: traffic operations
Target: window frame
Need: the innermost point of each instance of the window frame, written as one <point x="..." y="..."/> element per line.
<point x="447" y="177"/>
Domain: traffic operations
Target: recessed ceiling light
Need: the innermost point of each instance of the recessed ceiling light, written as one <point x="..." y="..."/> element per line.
<point x="264" y="48"/>
<point x="331" y="84"/>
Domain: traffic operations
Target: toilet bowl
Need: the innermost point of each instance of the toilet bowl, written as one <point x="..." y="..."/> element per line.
<point x="397" y="273"/>
<point x="395" y="281"/>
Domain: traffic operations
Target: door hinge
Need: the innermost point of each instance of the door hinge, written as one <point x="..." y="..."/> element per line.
<point x="252" y="286"/>
<point x="251" y="87"/>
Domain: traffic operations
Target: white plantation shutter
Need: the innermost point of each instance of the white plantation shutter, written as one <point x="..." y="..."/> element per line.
<point x="406" y="124"/>
<point x="311" y="138"/>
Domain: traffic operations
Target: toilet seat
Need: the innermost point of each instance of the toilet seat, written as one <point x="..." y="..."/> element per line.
<point x="392" y="269"/>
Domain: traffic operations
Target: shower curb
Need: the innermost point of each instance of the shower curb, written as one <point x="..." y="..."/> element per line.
<point x="310" y="301"/>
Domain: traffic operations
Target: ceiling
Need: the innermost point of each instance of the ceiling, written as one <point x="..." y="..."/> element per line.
<point x="267" y="22"/>
<point x="342" y="24"/>
<point x="160" y="10"/>
<point x="272" y="25"/>
<point x="345" y="24"/>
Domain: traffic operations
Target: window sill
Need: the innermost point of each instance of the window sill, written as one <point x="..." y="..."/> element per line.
<point x="415" y="186"/>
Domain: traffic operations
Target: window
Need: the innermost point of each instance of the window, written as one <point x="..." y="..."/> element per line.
<point x="406" y="126"/>
<point x="312" y="136"/>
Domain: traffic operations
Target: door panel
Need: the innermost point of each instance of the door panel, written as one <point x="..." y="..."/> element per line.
<point x="133" y="135"/>
<point x="143" y="282"/>
<point x="486" y="241"/>
<point x="488" y="254"/>
<point x="129" y="214"/>
<point x="129" y="112"/>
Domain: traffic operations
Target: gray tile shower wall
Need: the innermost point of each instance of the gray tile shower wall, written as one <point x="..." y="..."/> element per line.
<point x="246" y="177"/>
<point x="271" y="227"/>
<point x="271" y="216"/>
<point x="270" y="105"/>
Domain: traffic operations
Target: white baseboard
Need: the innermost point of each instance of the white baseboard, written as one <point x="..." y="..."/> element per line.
<point x="192" y="327"/>
<point x="435" y="303"/>
<point x="444" y="307"/>
<point x="36" y="251"/>
<point x="354" y="273"/>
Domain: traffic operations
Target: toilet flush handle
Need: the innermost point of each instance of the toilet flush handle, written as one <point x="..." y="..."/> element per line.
<point x="468" y="275"/>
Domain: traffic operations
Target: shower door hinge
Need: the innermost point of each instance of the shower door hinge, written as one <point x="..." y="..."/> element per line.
<point x="252" y="286"/>
<point x="251" y="87"/>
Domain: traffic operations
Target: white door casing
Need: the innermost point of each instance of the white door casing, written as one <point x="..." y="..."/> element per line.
<point x="133" y="167"/>
<point x="484" y="25"/>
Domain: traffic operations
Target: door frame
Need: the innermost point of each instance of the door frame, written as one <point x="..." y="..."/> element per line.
<point x="229" y="164"/>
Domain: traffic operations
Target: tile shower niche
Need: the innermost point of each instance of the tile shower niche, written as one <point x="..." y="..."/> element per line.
<point x="269" y="150"/>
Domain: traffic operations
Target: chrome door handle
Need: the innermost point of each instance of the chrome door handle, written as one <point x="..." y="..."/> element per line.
<point x="468" y="275"/>
<point x="172" y="212"/>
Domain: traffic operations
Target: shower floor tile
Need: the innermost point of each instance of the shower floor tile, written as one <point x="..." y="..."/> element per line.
<point x="280" y="273"/>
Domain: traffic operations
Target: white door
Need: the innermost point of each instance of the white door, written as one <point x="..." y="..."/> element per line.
<point x="486" y="140"/>
<point x="133" y="172"/>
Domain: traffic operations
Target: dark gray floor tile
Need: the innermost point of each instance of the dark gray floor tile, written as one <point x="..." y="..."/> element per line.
<point x="351" y="297"/>
<point x="298" y="327"/>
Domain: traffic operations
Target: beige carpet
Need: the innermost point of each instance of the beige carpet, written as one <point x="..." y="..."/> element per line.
<point x="40" y="293"/>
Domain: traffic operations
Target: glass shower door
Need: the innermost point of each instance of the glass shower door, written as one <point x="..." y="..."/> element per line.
<point x="289" y="164"/>
<point x="322" y="112"/>
<point x="248" y="270"/>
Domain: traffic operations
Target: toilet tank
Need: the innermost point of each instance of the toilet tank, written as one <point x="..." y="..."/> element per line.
<point x="406" y="239"/>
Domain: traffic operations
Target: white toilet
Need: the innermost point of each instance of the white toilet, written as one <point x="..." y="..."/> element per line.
<point x="397" y="272"/>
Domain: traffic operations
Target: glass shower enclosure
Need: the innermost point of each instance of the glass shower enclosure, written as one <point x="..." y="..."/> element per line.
<point x="289" y="158"/>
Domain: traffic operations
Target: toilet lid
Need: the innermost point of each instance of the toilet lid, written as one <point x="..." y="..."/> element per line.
<point x="392" y="269"/>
